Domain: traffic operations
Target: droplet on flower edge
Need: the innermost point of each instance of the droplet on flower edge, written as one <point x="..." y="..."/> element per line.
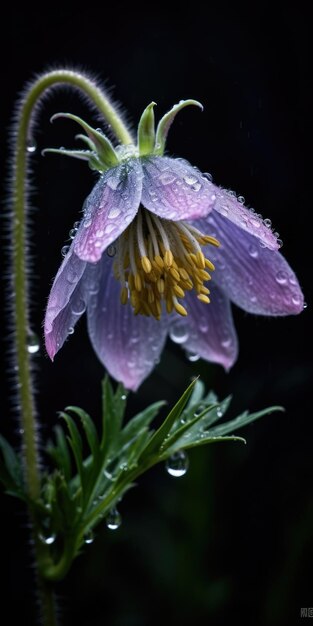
<point x="32" y="343"/>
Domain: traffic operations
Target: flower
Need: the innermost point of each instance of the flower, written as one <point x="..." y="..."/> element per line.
<point x="154" y="234"/>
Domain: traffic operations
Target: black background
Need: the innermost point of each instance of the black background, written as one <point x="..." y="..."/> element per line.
<point x="233" y="539"/>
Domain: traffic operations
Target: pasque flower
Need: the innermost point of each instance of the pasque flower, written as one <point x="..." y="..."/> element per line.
<point x="162" y="250"/>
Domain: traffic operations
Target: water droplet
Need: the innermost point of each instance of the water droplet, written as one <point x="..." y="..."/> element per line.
<point x="190" y="180"/>
<point x="113" y="519"/>
<point x="241" y="199"/>
<point x="226" y="343"/>
<point x="167" y="178"/>
<point x="224" y="210"/>
<point x="123" y="397"/>
<point x="79" y="307"/>
<point x="296" y="299"/>
<point x="253" y="251"/>
<point x="114" y="213"/>
<point x="111" y="250"/>
<point x="47" y="538"/>
<point x="267" y="222"/>
<point x="64" y="250"/>
<point x="75" y="225"/>
<point x="72" y="233"/>
<point x="208" y="176"/>
<point x="305" y="305"/>
<point x="33" y="343"/>
<point x="281" y="278"/>
<point x="179" y="332"/>
<point x="71" y="330"/>
<point x="219" y="411"/>
<point x="280" y="243"/>
<point x="177" y="464"/>
<point x="192" y="356"/>
<point x="31" y="146"/>
<point x="89" y="537"/>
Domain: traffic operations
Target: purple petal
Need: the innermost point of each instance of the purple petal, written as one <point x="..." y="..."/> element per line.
<point x="129" y="346"/>
<point x="228" y="206"/>
<point x="257" y="279"/>
<point x="208" y="330"/>
<point x="175" y="190"/>
<point x="109" y="209"/>
<point x="66" y="302"/>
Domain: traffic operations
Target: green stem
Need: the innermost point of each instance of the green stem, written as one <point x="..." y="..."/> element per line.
<point x="24" y="389"/>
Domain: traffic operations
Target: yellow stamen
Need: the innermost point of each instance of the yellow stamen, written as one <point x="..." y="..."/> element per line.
<point x="159" y="260"/>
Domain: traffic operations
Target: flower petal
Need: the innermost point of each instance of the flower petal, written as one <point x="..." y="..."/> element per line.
<point x="66" y="302"/>
<point x="129" y="346"/>
<point x="227" y="205"/>
<point x="208" y="330"/>
<point x="257" y="279"/>
<point x="109" y="209"/>
<point x="175" y="190"/>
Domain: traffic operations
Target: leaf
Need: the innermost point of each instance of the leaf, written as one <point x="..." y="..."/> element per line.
<point x="243" y="419"/>
<point x="60" y="453"/>
<point x="75" y="442"/>
<point x="113" y="409"/>
<point x="90" y="430"/>
<point x="161" y="434"/>
<point x="12" y="473"/>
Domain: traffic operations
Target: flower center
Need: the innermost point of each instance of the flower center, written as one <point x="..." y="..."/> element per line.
<point x="158" y="259"/>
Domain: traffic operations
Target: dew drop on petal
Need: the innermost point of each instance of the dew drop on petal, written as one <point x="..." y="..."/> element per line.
<point x="296" y="299"/>
<point x="177" y="464"/>
<point x="267" y="222"/>
<point x="253" y="251"/>
<point x="190" y="180"/>
<point x="167" y="178"/>
<point x="64" y="251"/>
<point x="111" y="250"/>
<point x="192" y="356"/>
<point x="179" y="332"/>
<point x="281" y="278"/>
<point x="114" y="213"/>
<point x="113" y="520"/>
<point x="79" y="307"/>
<point x="32" y="343"/>
<point x="72" y="233"/>
<point x="71" y="330"/>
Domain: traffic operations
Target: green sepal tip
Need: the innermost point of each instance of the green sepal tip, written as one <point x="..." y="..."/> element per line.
<point x="166" y="122"/>
<point x="146" y="131"/>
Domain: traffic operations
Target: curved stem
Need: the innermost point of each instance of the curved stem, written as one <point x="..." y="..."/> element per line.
<point x="26" y="402"/>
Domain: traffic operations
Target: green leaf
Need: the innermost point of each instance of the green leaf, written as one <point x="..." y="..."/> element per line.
<point x="60" y="453"/>
<point x="166" y="122"/>
<point x="75" y="442"/>
<point x="146" y="131"/>
<point x="103" y="145"/>
<point x="160" y="435"/>
<point x="243" y="419"/>
<point x="113" y="409"/>
<point x="90" y="430"/>
<point x="11" y="470"/>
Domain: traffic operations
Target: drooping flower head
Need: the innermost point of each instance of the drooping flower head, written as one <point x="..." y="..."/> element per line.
<point x="161" y="249"/>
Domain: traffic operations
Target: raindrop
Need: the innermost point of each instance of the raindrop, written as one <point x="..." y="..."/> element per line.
<point x="241" y="199"/>
<point x="47" y="538"/>
<point x="219" y="411"/>
<point x="253" y="251"/>
<point x="281" y="278"/>
<point x="179" y="333"/>
<point x="167" y="178"/>
<point x="190" y="180"/>
<point x="31" y="146"/>
<point x="64" y="250"/>
<point x="177" y="464"/>
<point x="89" y="537"/>
<point x="113" y="519"/>
<point x="267" y="222"/>
<point x="33" y="344"/>
<point x="72" y="233"/>
<point x="111" y="250"/>
<point x="305" y="305"/>
<point x="71" y="330"/>
<point x="296" y="299"/>
<point x="75" y="225"/>
<point x="123" y="397"/>
<point x="114" y="213"/>
<point x="192" y="356"/>
<point x="79" y="307"/>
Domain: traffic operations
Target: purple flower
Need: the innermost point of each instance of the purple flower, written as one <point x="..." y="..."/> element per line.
<point x="162" y="250"/>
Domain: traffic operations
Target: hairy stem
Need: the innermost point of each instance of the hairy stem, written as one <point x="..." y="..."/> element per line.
<point x="23" y="135"/>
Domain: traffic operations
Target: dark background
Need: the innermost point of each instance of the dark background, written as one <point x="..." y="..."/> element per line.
<point x="232" y="541"/>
